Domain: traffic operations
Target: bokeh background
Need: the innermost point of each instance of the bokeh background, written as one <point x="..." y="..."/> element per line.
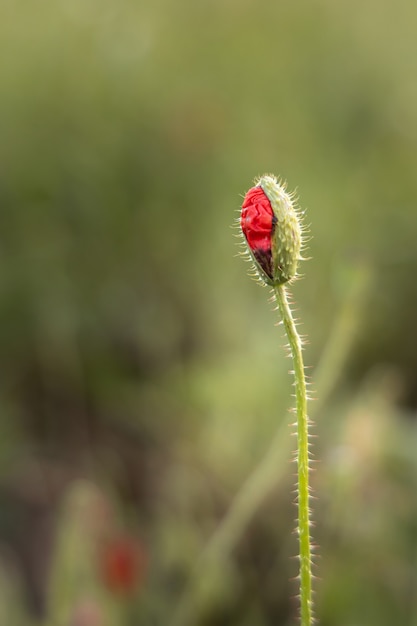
<point x="145" y="452"/>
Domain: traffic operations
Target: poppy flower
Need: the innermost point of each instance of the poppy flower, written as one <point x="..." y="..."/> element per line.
<point x="271" y="227"/>
<point x="257" y="221"/>
<point x="122" y="564"/>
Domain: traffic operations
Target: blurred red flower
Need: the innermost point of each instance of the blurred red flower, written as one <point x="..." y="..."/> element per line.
<point x="122" y="564"/>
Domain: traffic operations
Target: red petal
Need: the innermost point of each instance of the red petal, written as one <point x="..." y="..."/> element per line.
<point x="257" y="220"/>
<point x="255" y="194"/>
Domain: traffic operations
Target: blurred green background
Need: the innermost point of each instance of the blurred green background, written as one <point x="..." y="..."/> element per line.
<point x="142" y="380"/>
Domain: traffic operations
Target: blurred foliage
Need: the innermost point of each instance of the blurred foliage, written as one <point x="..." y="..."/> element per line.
<point x="141" y="377"/>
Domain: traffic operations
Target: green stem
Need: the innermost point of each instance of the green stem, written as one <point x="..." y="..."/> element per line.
<point x="305" y="575"/>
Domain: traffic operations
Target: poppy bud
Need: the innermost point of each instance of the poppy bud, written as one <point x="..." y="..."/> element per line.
<point x="272" y="230"/>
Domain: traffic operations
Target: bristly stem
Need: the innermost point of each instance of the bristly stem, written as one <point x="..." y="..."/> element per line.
<point x="303" y="528"/>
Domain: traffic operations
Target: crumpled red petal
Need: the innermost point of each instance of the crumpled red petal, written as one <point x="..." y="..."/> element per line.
<point x="257" y="222"/>
<point x="257" y="219"/>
